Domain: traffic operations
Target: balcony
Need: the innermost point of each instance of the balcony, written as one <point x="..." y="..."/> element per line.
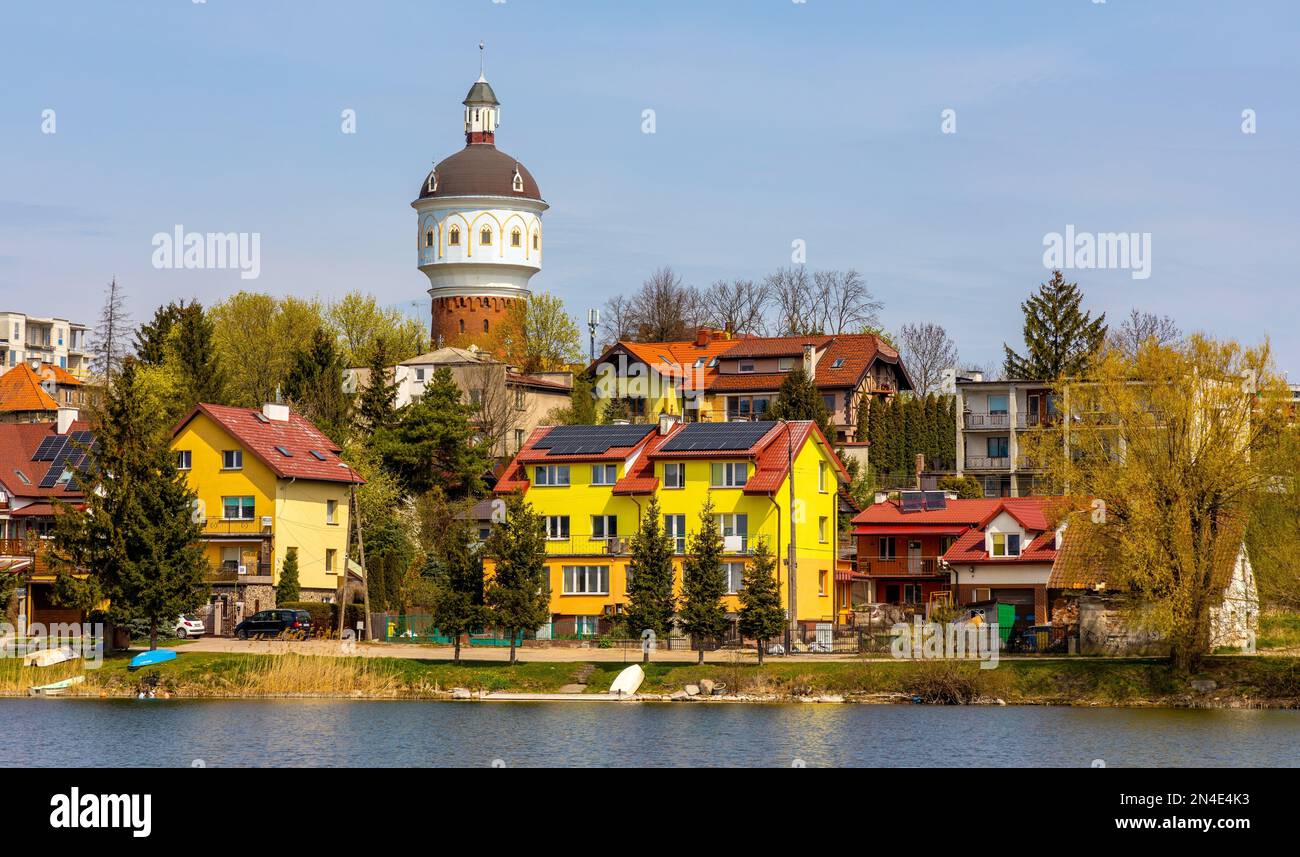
<point x="979" y="421"/>
<point x="230" y="527"/>
<point x="910" y="566"/>
<point x="590" y="546"/>
<point x="229" y="573"/>
<point x="984" y="462"/>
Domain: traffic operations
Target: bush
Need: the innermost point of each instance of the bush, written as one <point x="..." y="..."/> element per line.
<point x="965" y="487"/>
<point x="944" y="683"/>
<point x="325" y="617"/>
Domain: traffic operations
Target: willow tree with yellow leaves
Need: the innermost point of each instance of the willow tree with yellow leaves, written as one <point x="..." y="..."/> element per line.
<point x="1168" y="452"/>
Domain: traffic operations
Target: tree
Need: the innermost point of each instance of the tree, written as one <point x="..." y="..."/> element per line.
<point x="704" y="583"/>
<point x="739" y="306"/>
<point x="665" y="309"/>
<point x="314" y="384"/>
<point x="151" y="347"/>
<point x="830" y="302"/>
<point x="287" y="590"/>
<point x="518" y="593"/>
<point x="762" y="616"/>
<point x="581" y="410"/>
<point x="137" y="543"/>
<point x="965" y="487"/>
<point x="1138" y="327"/>
<point x="1170" y="454"/>
<point x="260" y="335"/>
<point x="799" y="399"/>
<point x="651" y="603"/>
<point x="377" y="402"/>
<point x="191" y="349"/>
<point x="432" y="442"/>
<point x="538" y="335"/>
<point x="458" y="607"/>
<point x="616" y="321"/>
<point x="361" y="324"/>
<point x="792" y="296"/>
<point x="110" y="346"/>
<point x="1061" y="339"/>
<point x="927" y="350"/>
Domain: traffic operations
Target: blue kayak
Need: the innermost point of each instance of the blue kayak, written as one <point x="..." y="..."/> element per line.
<point x="151" y="659"/>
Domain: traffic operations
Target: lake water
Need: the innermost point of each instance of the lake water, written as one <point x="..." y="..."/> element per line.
<point x="224" y="733"/>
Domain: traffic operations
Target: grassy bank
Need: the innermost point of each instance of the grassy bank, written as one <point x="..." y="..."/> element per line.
<point x="1240" y="681"/>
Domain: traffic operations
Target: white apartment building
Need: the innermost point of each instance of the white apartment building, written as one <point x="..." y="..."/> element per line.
<point x="992" y="417"/>
<point x="56" y="341"/>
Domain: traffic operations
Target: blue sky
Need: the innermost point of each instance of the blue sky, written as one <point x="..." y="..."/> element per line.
<point x="775" y="121"/>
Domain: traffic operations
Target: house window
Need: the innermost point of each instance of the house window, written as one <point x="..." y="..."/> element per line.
<point x="997" y="447"/>
<point x="331" y="509"/>
<point x="183" y="459"/>
<point x="329" y="560"/>
<point x="747" y="366"/>
<point x="888" y="548"/>
<point x="604" y="526"/>
<point x="675" y="475"/>
<point x="237" y="508"/>
<point x="735" y="577"/>
<point x="551" y="475"/>
<point x="999" y="404"/>
<point x="485" y="236"/>
<point x="823" y="470"/>
<point x="519" y="439"/>
<point x="785" y="364"/>
<point x="729" y="474"/>
<point x="476" y="398"/>
<point x="419" y="375"/>
<point x="604" y="474"/>
<point x="557" y="526"/>
<point x="1005" y="544"/>
<point x="821" y="582"/>
<point x="585" y="626"/>
<point x="515" y="238"/>
<point x="586" y="580"/>
<point x="453" y="237"/>
<point x="232" y="459"/>
<point x="744" y="407"/>
<point x="675" y="527"/>
<point x="737" y="527"/>
<point x="823" y="529"/>
<point x="829" y="402"/>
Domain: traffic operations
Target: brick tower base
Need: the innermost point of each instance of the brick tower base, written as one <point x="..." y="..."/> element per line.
<point x="466" y="320"/>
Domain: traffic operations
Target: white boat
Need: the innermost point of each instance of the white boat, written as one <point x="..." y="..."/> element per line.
<point x="628" y="681"/>
<point x="49" y="657"/>
<point x="56" y="688"/>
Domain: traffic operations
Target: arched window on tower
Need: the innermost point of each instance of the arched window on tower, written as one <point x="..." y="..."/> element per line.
<point x="462" y="325"/>
<point x="433" y="182"/>
<point x="536" y="241"/>
<point x="428" y="238"/>
<point x="453" y="237"/>
<point x="516" y="238"/>
<point x="485" y="236"/>
<point x="485" y="325"/>
<point x="518" y="183"/>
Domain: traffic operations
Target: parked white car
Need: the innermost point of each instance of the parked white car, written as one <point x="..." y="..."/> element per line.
<point x="190" y="625"/>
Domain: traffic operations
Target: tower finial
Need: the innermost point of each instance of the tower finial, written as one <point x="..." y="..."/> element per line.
<point x="480" y="61"/>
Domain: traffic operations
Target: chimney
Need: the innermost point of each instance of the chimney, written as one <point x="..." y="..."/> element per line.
<point x="276" y="412"/>
<point x="667" y="421"/>
<point x="702" y="336"/>
<point x="880" y="497"/>
<point x="66" y="417"/>
<point x="809" y="364"/>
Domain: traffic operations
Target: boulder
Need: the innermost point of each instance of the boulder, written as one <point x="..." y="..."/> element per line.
<point x="678" y="696"/>
<point x="706" y="686"/>
<point x="461" y="693"/>
<point x="1204" y="685"/>
<point x="692" y="690"/>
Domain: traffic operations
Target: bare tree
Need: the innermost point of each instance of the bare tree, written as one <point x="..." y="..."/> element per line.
<point x="495" y="413"/>
<point x="843" y="302"/>
<point x="739" y="306"/>
<point x="616" y="320"/>
<point x="111" y="333"/>
<point x="1139" y="327"/>
<point x="665" y="308"/>
<point x="927" y="350"/>
<point x="792" y="296"/>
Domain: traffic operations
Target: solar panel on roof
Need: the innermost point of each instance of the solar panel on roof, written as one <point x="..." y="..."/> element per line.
<point x="591" y="440"/>
<point x="708" y="437"/>
<point x="912" y="501"/>
<point x="936" y="500"/>
<point x="50" y="445"/>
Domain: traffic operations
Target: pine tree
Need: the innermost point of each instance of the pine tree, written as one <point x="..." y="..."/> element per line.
<point x="863" y="430"/>
<point x="151" y="337"/>
<point x="287" y="590"/>
<point x="376" y="404"/>
<point x="111" y="333"/>
<point x="518" y="594"/>
<point x="651" y="604"/>
<point x="799" y="399"/>
<point x="762" y="617"/>
<point x="315" y="385"/>
<point x="1061" y="340"/>
<point x="192" y="349"/>
<point x="613" y="410"/>
<point x="138" y="535"/>
<point x="704" y="583"/>
<point x="433" y="442"/>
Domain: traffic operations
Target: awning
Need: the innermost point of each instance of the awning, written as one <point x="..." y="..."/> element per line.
<point x="13" y="565"/>
<point x="908" y="530"/>
<point x="849" y="576"/>
<point x="34" y="510"/>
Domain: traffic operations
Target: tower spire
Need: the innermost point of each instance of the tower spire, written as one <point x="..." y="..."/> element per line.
<point x="481" y="75"/>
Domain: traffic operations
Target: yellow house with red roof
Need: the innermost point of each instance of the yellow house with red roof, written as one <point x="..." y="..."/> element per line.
<point x="267" y="480"/>
<point x="592" y="484"/>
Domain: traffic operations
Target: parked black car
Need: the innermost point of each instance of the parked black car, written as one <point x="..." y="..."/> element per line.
<point x="275" y="623"/>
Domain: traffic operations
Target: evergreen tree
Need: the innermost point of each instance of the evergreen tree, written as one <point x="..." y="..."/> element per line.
<point x="458" y="608"/>
<point x="315" y="385"/>
<point x="201" y="377"/>
<point x="863" y="430"/>
<point x="651" y="604"/>
<point x="581" y="410"/>
<point x="762" y="617"/>
<point x="433" y="443"/>
<point x="518" y="594"/>
<point x="704" y="583"/>
<point x="151" y="337"/>
<point x="1061" y="340"/>
<point x="287" y="590"/>
<point x="139" y="536"/>
<point x="799" y="399"/>
<point x="377" y="402"/>
<point x="613" y="410"/>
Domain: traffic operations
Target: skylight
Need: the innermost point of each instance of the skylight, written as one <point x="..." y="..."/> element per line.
<point x="22" y="477"/>
<point x="318" y="456"/>
<point x="839" y="361"/>
<point x="286" y="453"/>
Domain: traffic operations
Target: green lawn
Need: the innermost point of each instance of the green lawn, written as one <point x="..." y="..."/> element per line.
<point x="1279" y="630"/>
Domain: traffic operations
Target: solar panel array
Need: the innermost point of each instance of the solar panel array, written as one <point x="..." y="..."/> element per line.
<point x="702" y="437"/>
<point x="936" y="500"/>
<point x="591" y="440"/>
<point x="66" y="453"/>
<point x="912" y="501"/>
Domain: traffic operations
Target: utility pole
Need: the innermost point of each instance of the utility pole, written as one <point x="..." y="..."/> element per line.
<point x="593" y="322"/>
<point x="792" y="622"/>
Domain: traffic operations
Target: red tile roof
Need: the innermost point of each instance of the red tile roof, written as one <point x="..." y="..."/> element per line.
<point x="1031" y="513"/>
<point x="298" y="436"/>
<point x="777" y="346"/>
<point x="18" y="443"/>
<point x="855" y="352"/>
<point x="675" y="359"/>
<point x="967" y="513"/>
<point x="20" y="390"/>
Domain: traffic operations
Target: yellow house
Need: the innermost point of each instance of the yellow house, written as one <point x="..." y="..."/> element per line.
<point x="591" y="484"/>
<point x="267" y="480"/>
<point x="663" y="377"/>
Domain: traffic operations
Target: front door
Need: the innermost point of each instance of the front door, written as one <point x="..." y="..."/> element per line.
<point x="913" y="557"/>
